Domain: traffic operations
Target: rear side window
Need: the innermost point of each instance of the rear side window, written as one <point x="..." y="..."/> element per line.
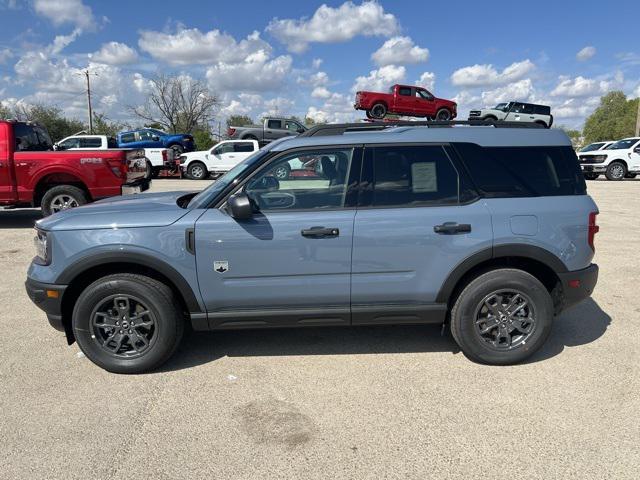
<point x="127" y="138"/>
<point x="31" y="138"/>
<point x="90" y="142"/>
<point x="409" y="176"/>
<point x="541" y="110"/>
<point x="243" y="147"/>
<point x="523" y="171"/>
<point x="404" y="91"/>
<point x="277" y="124"/>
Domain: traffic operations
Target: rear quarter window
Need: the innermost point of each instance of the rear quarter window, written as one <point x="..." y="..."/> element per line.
<point x="522" y="171"/>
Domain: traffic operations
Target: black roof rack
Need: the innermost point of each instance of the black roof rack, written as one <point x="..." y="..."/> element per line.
<point x="341" y="128"/>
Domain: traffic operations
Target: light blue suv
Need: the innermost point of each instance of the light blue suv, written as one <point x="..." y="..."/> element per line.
<point x="485" y="229"/>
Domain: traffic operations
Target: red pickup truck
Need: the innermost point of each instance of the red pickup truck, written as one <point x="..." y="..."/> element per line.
<point x="405" y="100"/>
<point x="32" y="174"/>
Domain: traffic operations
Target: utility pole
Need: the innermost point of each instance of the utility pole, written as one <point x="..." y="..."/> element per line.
<point x="87" y="73"/>
<point x="638" y="119"/>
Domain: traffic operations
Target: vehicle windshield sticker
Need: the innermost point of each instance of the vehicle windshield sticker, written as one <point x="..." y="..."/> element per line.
<point x="221" y="266"/>
<point x="423" y="175"/>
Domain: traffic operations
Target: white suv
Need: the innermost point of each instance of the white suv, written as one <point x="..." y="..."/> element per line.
<point x="219" y="159"/>
<point x="617" y="161"/>
<point x="515" y="112"/>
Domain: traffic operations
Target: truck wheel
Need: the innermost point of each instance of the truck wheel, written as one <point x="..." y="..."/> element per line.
<point x="62" y="197"/>
<point x="177" y="150"/>
<point x="127" y="323"/>
<point x="197" y="171"/>
<point x="591" y="176"/>
<point x="502" y="317"/>
<point x="250" y="137"/>
<point x="155" y="172"/>
<point x="443" y="115"/>
<point x="379" y="110"/>
<point x="490" y="120"/>
<point x="148" y="173"/>
<point x="616" y="171"/>
<point x="368" y="114"/>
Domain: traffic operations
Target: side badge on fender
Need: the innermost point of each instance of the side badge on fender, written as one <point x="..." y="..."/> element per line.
<point x="221" y="266"/>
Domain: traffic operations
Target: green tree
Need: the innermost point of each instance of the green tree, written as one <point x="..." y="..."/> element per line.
<point x="203" y="139"/>
<point x="50" y="117"/>
<point x="614" y="118"/>
<point x="577" y="140"/>
<point x="239" y="121"/>
<point x="103" y="126"/>
<point x="5" y="112"/>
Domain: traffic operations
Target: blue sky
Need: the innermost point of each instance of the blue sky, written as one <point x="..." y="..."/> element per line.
<point x="308" y="58"/>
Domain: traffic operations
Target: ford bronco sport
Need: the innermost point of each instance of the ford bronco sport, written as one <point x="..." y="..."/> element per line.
<point x="485" y="229"/>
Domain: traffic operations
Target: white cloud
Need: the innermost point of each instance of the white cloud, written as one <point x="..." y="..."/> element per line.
<point x="584" y="87"/>
<point x="336" y="108"/>
<point x="575" y="107"/>
<point x="331" y="25"/>
<point x="61" y="12"/>
<point x="190" y="46"/>
<point x="427" y="80"/>
<point x="60" y="42"/>
<point x="320" y="92"/>
<point x="487" y="76"/>
<point x="115" y="53"/>
<point x="316" y="63"/>
<point x="257" y="73"/>
<point x="380" y="79"/>
<point x="399" y="51"/>
<point x="5" y="55"/>
<point x="586" y="53"/>
<point x="521" y="90"/>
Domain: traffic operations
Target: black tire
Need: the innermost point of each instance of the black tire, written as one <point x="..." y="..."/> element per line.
<point x="130" y="355"/>
<point x="197" y="171"/>
<point x="470" y="306"/>
<point x="591" y="176"/>
<point x="62" y="197"/>
<point x="378" y="111"/>
<point x="544" y="125"/>
<point x="616" y="171"/>
<point x="443" y="115"/>
<point x="490" y="120"/>
<point x="250" y="137"/>
<point x="177" y="150"/>
<point x="282" y="172"/>
<point x="368" y="114"/>
<point x="155" y="172"/>
<point x="148" y="175"/>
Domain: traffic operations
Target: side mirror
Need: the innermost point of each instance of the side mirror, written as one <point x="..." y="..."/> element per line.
<point x="637" y="149"/>
<point x="240" y="206"/>
<point x="155" y="138"/>
<point x="300" y="130"/>
<point x="56" y="146"/>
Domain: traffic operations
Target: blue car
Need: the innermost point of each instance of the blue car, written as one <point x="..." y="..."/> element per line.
<point x="485" y="230"/>
<point x="152" y="138"/>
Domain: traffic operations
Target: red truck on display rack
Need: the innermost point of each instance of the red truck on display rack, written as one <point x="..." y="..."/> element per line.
<point x="405" y="100"/>
<point x="32" y="174"/>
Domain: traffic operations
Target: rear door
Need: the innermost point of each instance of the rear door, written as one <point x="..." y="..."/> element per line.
<point x="416" y="221"/>
<point x="405" y="101"/>
<point x="273" y="130"/>
<point x="290" y="264"/>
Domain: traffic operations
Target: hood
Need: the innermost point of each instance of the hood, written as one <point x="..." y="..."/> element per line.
<point x="128" y="211"/>
<point x="200" y="154"/>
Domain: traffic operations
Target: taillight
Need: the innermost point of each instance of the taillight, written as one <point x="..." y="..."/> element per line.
<point x="593" y="229"/>
<point x="231" y="131"/>
<point x="164" y="156"/>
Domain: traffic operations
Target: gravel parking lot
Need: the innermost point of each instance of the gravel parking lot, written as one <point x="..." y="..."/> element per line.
<point x="374" y="402"/>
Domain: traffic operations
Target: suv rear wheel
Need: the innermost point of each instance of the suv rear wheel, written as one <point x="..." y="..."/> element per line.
<point x="127" y="323"/>
<point x="616" y="171"/>
<point x="502" y="317"/>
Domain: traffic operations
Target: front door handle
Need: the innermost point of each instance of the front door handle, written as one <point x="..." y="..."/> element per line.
<point x="451" y="228"/>
<point x="320" y="232"/>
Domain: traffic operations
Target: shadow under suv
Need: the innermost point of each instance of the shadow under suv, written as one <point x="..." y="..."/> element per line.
<point x="486" y="229"/>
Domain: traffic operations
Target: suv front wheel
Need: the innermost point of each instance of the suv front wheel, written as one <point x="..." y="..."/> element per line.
<point x="502" y="317"/>
<point x="616" y="171"/>
<point x="127" y="323"/>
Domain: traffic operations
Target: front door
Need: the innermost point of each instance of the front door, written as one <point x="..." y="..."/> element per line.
<point x="414" y="225"/>
<point x="7" y="192"/>
<point x="634" y="159"/>
<point x="290" y="264"/>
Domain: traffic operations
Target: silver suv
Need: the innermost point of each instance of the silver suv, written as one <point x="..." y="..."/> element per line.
<point x="487" y="231"/>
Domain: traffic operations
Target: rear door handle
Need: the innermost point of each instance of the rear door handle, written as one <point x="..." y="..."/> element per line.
<point x="451" y="228"/>
<point x="320" y="232"/>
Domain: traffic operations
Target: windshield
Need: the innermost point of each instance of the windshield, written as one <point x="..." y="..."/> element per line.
<point x="500" y="106"/>
<point x="591" y="147"/>
<point x="623" y="144"/>
<point x="233" y="175"/>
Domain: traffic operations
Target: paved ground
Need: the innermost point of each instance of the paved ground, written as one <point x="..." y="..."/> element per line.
<point x="366" y="403"/>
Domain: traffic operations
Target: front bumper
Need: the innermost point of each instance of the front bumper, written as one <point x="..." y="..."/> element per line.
<point x="577" y="285"/>
<point x="593" y="168"/>
<point x="47" y="297"/>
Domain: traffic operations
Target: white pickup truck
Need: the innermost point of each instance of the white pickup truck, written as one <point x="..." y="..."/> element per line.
<point x="617" y="161"/>
<point x="219" y="159"/>
<point x="157" y="158"/>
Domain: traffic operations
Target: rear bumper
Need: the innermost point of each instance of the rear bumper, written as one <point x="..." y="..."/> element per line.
<point x="137" y="186"/>
<point x="47" y="297"/>
<point x="578" y="285"/>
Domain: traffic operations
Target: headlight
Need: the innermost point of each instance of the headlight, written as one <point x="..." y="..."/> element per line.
<point x="599" y="158"/>
<point x="43" y="252"/>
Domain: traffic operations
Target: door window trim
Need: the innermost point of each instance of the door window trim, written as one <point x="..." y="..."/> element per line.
<point x="353" y="181"/>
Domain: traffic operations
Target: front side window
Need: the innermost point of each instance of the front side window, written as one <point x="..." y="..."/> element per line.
<point x="224" y="148"/>
<point x="146" y="135"/>
<point x="423" y="94"/>
<point x="127" y="138"/>
<point x="293" y="126"/>
<point x="69" y="143"/>
<point x="302" y="181"/>
<point x="410" y="176"/>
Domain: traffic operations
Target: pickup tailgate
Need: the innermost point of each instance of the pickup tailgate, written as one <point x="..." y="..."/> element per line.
<point x="136" y="166"/>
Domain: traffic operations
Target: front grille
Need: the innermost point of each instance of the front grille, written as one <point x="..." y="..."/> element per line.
<point x="474" y="113"/>
<point x="590" y="159"/>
